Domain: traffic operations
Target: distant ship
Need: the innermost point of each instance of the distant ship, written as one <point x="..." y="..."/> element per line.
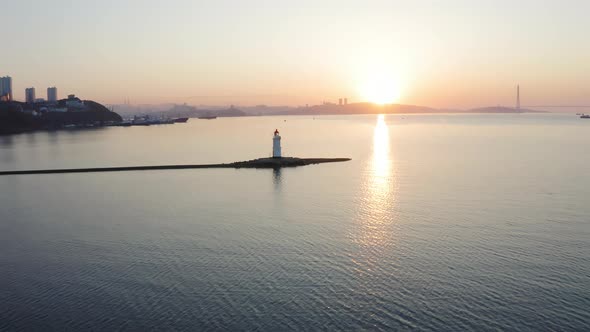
<point x="208" y="117"/>
<point x="181" y="120"/>
<point x="585" y="116"/>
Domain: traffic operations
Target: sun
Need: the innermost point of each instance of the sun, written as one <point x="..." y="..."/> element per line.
<point x="380" y="88"/>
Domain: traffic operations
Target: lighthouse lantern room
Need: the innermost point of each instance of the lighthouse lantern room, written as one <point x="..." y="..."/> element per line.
<point x="276" y="145"/>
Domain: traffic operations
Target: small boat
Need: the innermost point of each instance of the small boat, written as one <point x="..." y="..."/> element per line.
<point x="181" y="120"/>
<point x="585" y="116"/>
<point x="208" y="117"/>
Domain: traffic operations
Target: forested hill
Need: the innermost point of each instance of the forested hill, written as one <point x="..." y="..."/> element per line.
<point x="16" y="117"/>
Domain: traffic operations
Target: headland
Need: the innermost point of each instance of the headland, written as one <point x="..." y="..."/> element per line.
<point x="17" y="117"/>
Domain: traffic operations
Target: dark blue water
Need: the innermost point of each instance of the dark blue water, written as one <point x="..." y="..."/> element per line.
<point x="439" y="223"/>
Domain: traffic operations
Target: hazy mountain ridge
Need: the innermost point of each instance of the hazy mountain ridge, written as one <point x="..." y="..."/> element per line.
<point x="370" y="108"/>
<point x="502" y="109"/>
<point x="184" y="110"/>
<point x="194" y="112"/>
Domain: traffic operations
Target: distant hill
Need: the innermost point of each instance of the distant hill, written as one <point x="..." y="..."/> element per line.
<point x="229" y="112"/>
<point x="127" y="110"/>
<point x="266" y="110"/>
<point x="501" y="109"/>
<point x="187" y="111"/>
<point x="355" y="108"/>
<point x="370" y="108"/>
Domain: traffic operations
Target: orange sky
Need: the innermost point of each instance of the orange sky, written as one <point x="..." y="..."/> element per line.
<point x="451" y="54"/>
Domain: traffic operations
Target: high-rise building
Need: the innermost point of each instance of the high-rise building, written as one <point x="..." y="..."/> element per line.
<point x="30" y="95"/>
<point x="518" y="97"/>
<point x="345" y="101"/>
<point x="52" y="94"/>
<point x="6" y="87"/>
<point x="340" y="101"/>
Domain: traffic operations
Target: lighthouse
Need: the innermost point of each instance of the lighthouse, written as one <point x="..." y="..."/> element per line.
<point x="276" y="145"/>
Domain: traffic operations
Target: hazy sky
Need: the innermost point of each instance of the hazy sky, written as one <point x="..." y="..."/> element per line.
<point x="439" y="53"/>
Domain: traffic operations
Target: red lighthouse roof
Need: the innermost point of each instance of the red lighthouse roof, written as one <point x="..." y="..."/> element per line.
<point x="276" y="131"/>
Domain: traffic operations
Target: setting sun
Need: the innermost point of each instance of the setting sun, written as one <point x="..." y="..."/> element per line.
<point x="380" y="89"/>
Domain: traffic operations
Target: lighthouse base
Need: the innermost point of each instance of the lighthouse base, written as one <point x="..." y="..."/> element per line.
<point x="279" y="162"/>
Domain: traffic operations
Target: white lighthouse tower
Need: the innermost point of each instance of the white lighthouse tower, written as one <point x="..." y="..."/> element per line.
<point x="276" y="145"/>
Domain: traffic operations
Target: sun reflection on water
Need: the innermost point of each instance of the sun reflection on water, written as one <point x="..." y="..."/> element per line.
<point x="375" y="215"/>
<point x="381" y="165"/>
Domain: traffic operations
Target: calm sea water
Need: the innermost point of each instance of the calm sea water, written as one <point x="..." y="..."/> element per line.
<point x="440" y="222"/>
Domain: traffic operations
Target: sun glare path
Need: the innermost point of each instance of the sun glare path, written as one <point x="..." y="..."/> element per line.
<point x="381" y="160"/>
<point x="374" y="232"/>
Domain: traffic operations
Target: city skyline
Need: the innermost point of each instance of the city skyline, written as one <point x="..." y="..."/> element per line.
<point x="6" y="91"/>
<point x="6" y="88"/>
<point x="454" y="55"/>
<point x="52" y="97"/>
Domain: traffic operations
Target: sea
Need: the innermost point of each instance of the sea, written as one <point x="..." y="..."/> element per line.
<point x="440" y="222"/>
